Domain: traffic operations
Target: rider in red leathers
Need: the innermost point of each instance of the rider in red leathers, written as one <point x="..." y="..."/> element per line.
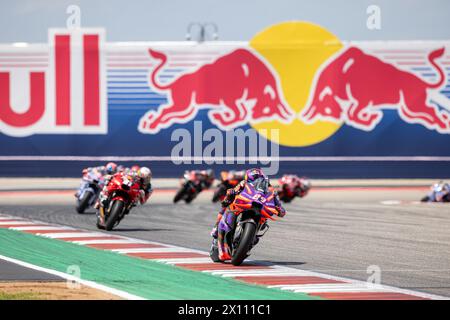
<point x="143" y="176"/>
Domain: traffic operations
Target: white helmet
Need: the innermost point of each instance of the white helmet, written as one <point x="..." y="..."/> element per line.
<point x="145" y="174"/>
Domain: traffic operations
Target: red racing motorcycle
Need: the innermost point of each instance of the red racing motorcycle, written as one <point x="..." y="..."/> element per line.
<point x="123" y="191"/>
<point x="292" y="186"/>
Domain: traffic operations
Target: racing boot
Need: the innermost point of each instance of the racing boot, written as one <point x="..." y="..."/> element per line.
<point x="215" y="229"/>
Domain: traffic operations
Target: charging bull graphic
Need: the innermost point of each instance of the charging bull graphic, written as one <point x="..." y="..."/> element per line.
<point x="355" y="87"/>
<point x="238" y="87"/>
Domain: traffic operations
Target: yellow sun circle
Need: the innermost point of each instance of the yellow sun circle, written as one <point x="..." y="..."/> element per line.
<point x="296" y="50"/>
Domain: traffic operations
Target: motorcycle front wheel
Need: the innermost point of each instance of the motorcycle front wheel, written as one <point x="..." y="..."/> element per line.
<point x="83" y="202"/>
<point x="245" y="243"/>
<point x="114" y="214"/>
<point x="179" y="195"/>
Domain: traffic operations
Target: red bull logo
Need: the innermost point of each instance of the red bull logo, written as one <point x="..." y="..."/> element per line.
<point x="237" y="87"/>
<point x="355" y="87"/>
<point x="296" y="77"/>
<point x="54" y="89"/>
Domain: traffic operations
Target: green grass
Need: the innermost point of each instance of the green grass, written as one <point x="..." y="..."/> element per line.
<point x="20" y="296"/>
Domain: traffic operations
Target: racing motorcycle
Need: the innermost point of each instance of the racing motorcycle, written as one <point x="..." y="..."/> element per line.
<point x="289" y="187"/>
<point x="229" y="179"/>
<point x="123" y="194"/>
<point x="439" y="192"/>
<point x="91" y="185"/>
<point x="253" y="207"/>
<point x="189" y="188"/>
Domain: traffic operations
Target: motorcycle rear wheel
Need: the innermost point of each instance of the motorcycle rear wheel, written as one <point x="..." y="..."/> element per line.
<point x="245" y="243"/>
<point x="114" y="215"/>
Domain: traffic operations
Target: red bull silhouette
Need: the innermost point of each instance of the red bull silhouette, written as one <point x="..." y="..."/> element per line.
<point x="238" y="87"/>
<point x="355" y="87"/>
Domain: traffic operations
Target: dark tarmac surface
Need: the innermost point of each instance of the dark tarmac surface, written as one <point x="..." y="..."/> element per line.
<point x="338" y="232"/>
<point x="13" y="272"/>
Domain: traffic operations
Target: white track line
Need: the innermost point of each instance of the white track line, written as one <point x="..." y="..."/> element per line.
<point x="329" y="287"/>
<point x="37" y="228"/>
<point x="155" y="250"/>
<point x="63" y="235"/>
<point x="262" y="273"/>
<point x="102" y="241"/>
<point x="66" y="276"/>
<point x="184" y="260"/>
<point x="4" y="223"/>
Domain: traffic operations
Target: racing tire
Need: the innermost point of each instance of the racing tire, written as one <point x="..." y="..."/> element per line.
<point x="245" y="243"/>
<point x="114" y="214"/>
<point x="83" y="203"/>
<point x="99" y="225"/>
<point x="190" y="198"/>
<point x="218" y="193"/>
<point x="179" y="195"/>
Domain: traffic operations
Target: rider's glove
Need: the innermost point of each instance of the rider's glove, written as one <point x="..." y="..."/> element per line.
<point x="281" y="211"/>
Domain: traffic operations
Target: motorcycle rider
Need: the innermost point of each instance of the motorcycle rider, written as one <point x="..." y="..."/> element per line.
<point x="301" y="186"/>
<point x="228" y="218"/>
<point x="204" y="178"/>
<point x="106" y="172"/>
<point x="440" y="193"/>
<point x="143" y="176"/>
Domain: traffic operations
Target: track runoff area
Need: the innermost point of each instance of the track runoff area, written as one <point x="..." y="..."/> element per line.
<point x="340" y="242"/>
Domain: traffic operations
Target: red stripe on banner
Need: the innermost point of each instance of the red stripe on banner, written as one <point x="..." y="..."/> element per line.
<point x="220" y="266"/>
<point x="366" y="296"/>
<point x="112" y="246"/>
<point x="287" y="280"/>
<point x="62" y="79"/>
<point x="91" y="80"/>
<point x="166" y="255"/>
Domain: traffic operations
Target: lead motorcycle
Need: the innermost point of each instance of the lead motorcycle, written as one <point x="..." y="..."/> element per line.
<point x="123" y="191"/>
<point x="253" y="207"/>
<point x="91" y="185"/>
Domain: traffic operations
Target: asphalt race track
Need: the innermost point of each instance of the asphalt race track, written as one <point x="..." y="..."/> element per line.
<point x="335" y="231"/>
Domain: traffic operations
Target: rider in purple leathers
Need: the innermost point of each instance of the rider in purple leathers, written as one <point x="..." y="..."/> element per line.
<point x="225" y="219"/>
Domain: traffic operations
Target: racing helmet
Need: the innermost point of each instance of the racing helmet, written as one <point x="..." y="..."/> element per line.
<point x="111" y="167"/>
<point x="135" y="168"/>
<point x="145" y="174"/>
<point x="210" y="173"/>
<point x="305" y="185"/>
<point x="253" y="174"/>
